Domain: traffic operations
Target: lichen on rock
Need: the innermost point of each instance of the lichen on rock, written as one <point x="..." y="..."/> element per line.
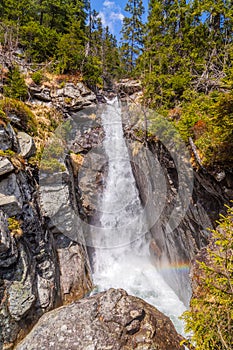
<point x="108" y="320"/>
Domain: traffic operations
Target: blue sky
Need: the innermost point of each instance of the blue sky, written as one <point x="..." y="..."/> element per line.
<point x="112" y="13"/>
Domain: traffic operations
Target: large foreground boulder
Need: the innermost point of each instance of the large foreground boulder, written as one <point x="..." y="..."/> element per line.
<point x="109" y="320"/>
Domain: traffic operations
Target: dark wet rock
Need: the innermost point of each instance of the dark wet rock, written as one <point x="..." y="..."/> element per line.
<point x="26" y="144"/>
<point x="58" y="201"/>
<point x="88" y="161"/>
<point x="75" y="279"/>
<point x="91" y="181"/>
<point x="35" y="271"/>
<point x="110" y="320"/>
<point x="101" y="98"/>
<point x="28" y="269"/>
<point x="4" y="233"/>
<point x="8" y="249"/>
<point x="20" y="292"/>
<point x="181" y="203"/>
<point x="159" y="184"/>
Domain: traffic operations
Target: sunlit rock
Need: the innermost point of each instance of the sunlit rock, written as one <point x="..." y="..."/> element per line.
<point x="110" y="320"/>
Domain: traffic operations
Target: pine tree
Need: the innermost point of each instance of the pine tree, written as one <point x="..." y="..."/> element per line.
<point x="110" y="58"/>
<point x="61" y="14"/>
<point x="70" y="49"/>
<point x="17" y="12"/>
<point x="165" y="63"/>
<point x="132" y="33"/>
<point x="187" y="48"/>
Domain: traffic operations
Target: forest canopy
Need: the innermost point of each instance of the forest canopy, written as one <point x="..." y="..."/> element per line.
<point x="183" y="55"/>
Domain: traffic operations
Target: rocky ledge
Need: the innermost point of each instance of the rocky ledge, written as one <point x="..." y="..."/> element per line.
<point x="70" y="96"/>
<point x="109" y="320"/>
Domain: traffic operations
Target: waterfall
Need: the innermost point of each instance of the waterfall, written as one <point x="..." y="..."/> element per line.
<point x="122" y="254"/>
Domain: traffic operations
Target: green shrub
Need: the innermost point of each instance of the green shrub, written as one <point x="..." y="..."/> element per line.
<point x="37" y="77"/>
<point x="15" y="85"/>
<point x="39" y="42"/>
<point x="208" y="119"/>
<point x="14" y="226"/>
<point x="21" y="110"/>
<point x="210" y="318"/>
<point x="92" y="71"/>
<point x="51" y="166"/>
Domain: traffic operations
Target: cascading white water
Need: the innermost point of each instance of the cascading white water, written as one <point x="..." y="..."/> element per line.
<point x="122" y="255"/>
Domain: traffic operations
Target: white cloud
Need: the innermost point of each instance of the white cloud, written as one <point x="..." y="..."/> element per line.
<point x="111" y="15"/>
<point x="115" y="16"/>
<point x="109" y="4"/>
<point x="103" y="18"/>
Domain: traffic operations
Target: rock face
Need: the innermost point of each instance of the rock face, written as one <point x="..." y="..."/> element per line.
<point x="129" y="90"/>
<point x="175" y="249"/>
<point x="26" y="144"/>
<point x="5" y="166"/>
<point x="8" y="138"/>
<point x="128" y="87"/>
<point x="110" y="320"/>
<point x="71" y="97"/>
<point x="8" y="249"/>
<point x="35" y="257"/>
<point x="88" y="161"/>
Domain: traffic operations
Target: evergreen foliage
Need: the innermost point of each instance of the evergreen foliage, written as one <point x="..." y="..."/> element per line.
<point x="183" y="55"/>
<point x="210" y="316"/>
<point x="188" y="46"/>
<point x="186" y="65"/>
<point x="132" y="34"/>
<point x="65" y="32"/>
<point x="15" y="85"/>
<point x="12" y="106"/>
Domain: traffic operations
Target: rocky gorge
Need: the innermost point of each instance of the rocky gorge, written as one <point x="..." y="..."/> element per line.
<point x="45" y="261"/>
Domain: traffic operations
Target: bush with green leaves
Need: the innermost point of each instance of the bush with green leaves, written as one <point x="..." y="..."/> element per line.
<point x="39" y="42"/>
<point x="210" y="318"/>
<point x="71" y="50"/>
<point x="93" y="71"/>
<point x="208" y="119"/>
<point x="37" y="77"/>
<point x="12" y="106"/>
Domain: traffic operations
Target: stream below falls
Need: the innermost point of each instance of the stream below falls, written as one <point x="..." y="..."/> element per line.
<point x="122" y="257"/>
